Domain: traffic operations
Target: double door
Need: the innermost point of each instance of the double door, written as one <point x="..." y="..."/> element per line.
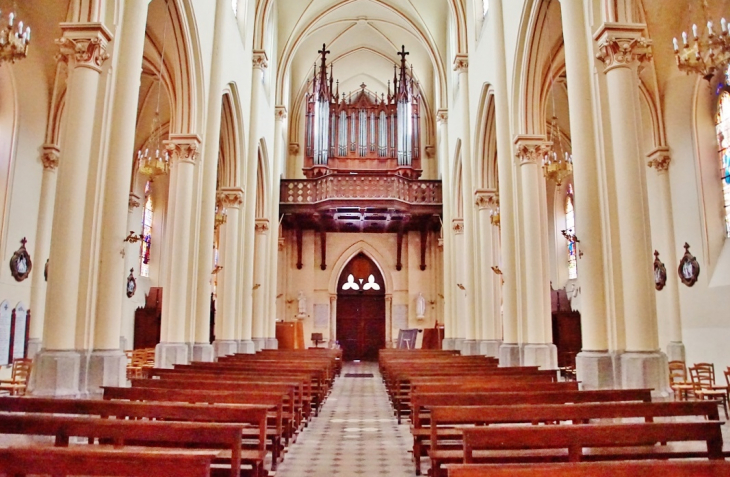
<point x="361" y="326"/>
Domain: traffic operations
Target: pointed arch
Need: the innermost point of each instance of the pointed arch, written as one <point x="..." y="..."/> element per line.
<point x="262" y="183"/>
<point x="355" y="249"/>
<point x="457" y="199"/>
<point x="485" y="145"/>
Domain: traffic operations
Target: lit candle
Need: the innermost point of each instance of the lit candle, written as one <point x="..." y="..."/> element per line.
<point x="11" y="18"/>
<point x="709" y="28"/>
<point x="27" y="34"/>
<point x="694" y="31"/>
<point x="684" y="38"/>
<point x="20" y="28"/>
<point x="676" y="45"/>
<point x="723" y="25"/>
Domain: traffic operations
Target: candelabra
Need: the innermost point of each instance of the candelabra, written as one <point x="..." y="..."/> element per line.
<point x="14" y="42"/>
<point x="705" y="55"/>
<point x="557" y="163"/>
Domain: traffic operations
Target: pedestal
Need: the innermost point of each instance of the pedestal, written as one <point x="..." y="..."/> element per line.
<point x="469" y="348"/>
<point x="509" y="355"/>
<point x="203" y="352"/>
<point x="34" y="347"/>
<point x="272" y="343"/>
<point x="259" y="343"/>
<point x="646" y="370"/>
<point x="225" y="348"/>
<point x="448" y="343"/>
<point x="56" y="373"/>
<point x="594" y="370"/>
<point x="489" y="347"/>
<point x="169" y="354"/>
<point x="675" y="351"/>
<point x="246" y="347"/>
<point x="106" y="368"/>
<point x="543" y="355"/>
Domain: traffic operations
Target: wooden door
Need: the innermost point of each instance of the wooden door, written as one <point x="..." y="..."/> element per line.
<point x="361" y="310"/>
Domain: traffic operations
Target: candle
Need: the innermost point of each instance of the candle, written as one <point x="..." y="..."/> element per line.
<point x="709" y="28"/>
<point x="694" y="31"/>
<point x="684" y="39"/>
<point x="723" y="25"/>
<point x="676" y="45"/>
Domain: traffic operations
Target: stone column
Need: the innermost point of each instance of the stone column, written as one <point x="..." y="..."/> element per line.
<point x="333" y="321"/>
<point x="225" y="341"/>
<point x="539" y="349"/>
<point x="202" y="349"/>
<point x="460" y="296"/>
<point x="491" y="336"/>
<point x="260" y="63"/>
<point x="461" y="64"/>
<point x="509" y="351"/>
<point x="660" y="161"/>
<point x="108" y="363"/>
<point x="56" y="370"/>
<point x="49" y="157"/>
<point x="593" y="364"/>
<point x="173" y="349"/>
<point x="260" y="283"/>
<point x="622" y="48"/>
<point x="442" y="117"/>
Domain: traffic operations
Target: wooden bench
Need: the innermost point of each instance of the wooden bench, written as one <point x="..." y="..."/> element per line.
<point x="595" y="469"/>
<point x="106" y="462"/>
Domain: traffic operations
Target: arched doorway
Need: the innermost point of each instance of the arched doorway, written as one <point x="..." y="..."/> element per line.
<point x="361" y="310"/>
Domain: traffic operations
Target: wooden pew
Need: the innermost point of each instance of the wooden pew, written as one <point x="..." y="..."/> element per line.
<point x="445" y="419"/>
<point x="595" y="469"/>
<point x="138" y="431"/>
<point x="106" y="462"/>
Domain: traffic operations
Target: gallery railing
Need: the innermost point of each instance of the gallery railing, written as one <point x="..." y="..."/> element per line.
<point x="360" y="186"/>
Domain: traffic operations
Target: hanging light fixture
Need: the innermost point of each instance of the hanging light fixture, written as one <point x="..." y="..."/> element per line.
<point x="154" y="160"/>
<point x="557" y="163"/>
<point x="13" y="41"/>
<point x="707" y="53"/>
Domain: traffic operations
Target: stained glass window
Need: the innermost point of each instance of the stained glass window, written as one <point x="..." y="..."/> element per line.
<point x="144" y="265"/>
<point x="234" y="5"/>
<point x="485" y="6"/>
<point x="723" y="140"/>
<point x="570" y="232"/>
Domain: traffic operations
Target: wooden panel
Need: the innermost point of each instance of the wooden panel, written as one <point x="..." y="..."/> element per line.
<point x="361" y="326"/>
<point x="567" y="337"/>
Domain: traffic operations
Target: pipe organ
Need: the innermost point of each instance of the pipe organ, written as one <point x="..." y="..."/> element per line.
<point x="362" y="132"/>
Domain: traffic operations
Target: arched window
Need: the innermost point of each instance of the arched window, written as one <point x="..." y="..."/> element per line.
<point x="144" y="251"/>
<point x="570" y="234"/>
<point x="722" y="123"/>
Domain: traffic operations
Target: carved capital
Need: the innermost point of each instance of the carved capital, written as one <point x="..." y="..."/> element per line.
<point x="461" y="63"/>
<point x="486" y="199"/>
<point x="49" y="156"/>
<point x="230" y="197"/>
<point x="660" y="159"/>
<point x="430" y="151"/>
<point x="83" y="45"/>
<point x="280" y="113"/>
<point x="183" y="148"/>
<point x="134" y="201"/>
<point x="458" y="226"/>
<point x="442" y="116"/>
<point x="294" y="148"/>
<point x="622" y="45"/>
<point x="531" y="149"/>
<point x="260" y="60"/>
<point x="262" y="226"/>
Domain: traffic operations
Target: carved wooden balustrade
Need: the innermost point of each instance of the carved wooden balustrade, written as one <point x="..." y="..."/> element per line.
<point x="351" y="187"/>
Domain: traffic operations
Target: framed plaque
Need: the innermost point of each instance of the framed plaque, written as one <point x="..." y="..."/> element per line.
<point x="660" y="272"/>
<point x="689" y="268"/>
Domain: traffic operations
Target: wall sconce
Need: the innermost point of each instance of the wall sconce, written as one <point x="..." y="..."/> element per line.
<point x="497" y="270"/>
<point x="134" y="238"/>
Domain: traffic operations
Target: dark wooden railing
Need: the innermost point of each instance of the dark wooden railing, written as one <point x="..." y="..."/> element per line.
<point x="360" y="186"/>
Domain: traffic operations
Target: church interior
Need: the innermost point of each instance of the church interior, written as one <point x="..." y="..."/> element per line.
<point x="534" y="185"/>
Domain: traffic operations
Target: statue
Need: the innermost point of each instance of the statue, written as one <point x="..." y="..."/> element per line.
<point x="302" y="305"/>
<point x="420" y="306"/>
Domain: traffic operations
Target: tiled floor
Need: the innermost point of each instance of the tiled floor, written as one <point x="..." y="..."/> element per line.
<point x="355" y="434"/>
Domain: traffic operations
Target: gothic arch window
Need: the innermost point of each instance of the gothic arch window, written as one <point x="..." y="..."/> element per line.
<point x="144" y="251"/>
<point x="570" y="234"/>
<point x="722" y="124"/>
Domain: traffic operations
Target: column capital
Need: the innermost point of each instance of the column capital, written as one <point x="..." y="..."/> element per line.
<point x="134" y="201"/>
<point x="461" y="63"/>
<point x="83" y="45"/>
<point x="183" y="148"/>
<point x="230" y="196"/>
<point x="333" y="299"/>
<point x="660" y="159"/>
<point x="280" y="113"/>
<point x="531" y="149"/>
<point x="50" y="153"/>
<point x="442" y="116"/>
<point x="260" y="59"/>
<point x="262" y="226"/>
<point x="457" y="226"/>
<point x="622" y="44"/>
<point x="486" y="199"/>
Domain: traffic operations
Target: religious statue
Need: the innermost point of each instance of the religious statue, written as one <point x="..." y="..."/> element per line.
<point x="420" y="306"/>
<point x="302" y="305"/>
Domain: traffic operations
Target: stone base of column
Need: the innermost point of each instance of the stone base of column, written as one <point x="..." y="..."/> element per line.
<point x="459" y="344"/>
<point x="259" y="343"/>
<point x="448" y="343"/>
<point x="169" y="354"/>
<point x="246" y="347"/>
<point x="107" y="367"/>
<point x="646" y="370"/>
<point x="509" y="355"/>
<point x="489" y="347"/>
<point x="594" y="370"/>
<point x="272" y="343"/>
<point x="469" y="348"/>
<point x="225" y="348"/>
<point x="34" y="347"/>
<point x="543" y="355"/>
<point x="675" y="351"/>
<point x="203" y="352"/>
<point x="56" y="373"/>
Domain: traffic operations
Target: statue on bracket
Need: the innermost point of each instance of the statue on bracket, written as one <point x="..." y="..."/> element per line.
<point x="20" y="263"/>
<point x="660" y="272"/>
<point x="131" y="284"/>
<point x="689" y="268"/>
<point x="301" y="305"/>
<point x="420" y="306"/>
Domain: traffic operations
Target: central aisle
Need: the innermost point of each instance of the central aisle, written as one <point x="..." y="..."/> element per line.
<point x="354" y="434"/>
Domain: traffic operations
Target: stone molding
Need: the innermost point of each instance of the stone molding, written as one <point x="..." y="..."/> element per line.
<point x="461" y="63"/>
<point x="280" y="113"/>
<point x="49" y="156"/>
<point x="458" y="226"/>
<point x="531" y="149"/>
<point x="486" y="199"/>
<point x="262" y="226"/>
<point x="230" y="196"/>
<point x="621" y="45"/>
<point x="260" y="59"/>
<point x="442" y="116"/>
<point x="183" y="148"/>
<point x="660" y="159"/>
<point x="84" y="44"/>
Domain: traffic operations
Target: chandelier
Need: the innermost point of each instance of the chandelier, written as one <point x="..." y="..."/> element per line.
<point x="13" y="42"/>
<point x="557" y="164"/>
<point x="705" y="55"/>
